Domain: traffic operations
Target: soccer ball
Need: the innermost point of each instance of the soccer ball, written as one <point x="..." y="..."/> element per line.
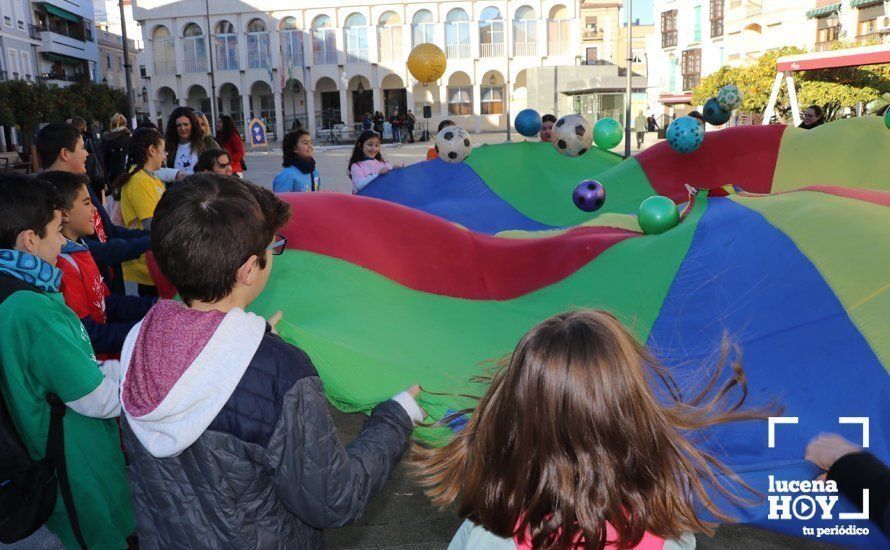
<point x="572" y="135"/>
<point x="453" y="144"/>
<point x="729" y="98"/>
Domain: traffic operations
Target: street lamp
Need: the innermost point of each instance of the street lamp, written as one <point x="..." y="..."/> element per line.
<point x="144" y="94"/>
<point x="360" y="88"/>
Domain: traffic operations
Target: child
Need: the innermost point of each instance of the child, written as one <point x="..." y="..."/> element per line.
<point x="570" y="447"/>
<point x="140" y="192"/>
<point x="547" y="122"/>
<point x="431" y="153"/>
<point x="366" y="162"/>
<point x="216" y="161"/>
<point x="60" y="147"/>
<point x="45" y="350"/>
<point x="107" y="318"/>
<point x="299" y="172"/>
<point x="223" y="417"/>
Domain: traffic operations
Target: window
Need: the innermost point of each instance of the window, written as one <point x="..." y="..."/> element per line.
<point x="7" y="13"/>
<point x="108" y="61"/>
<point x="592" y="56"/>
<point x="716" y="18"/>
<point x="389" y="37"/>
<point x="164" y="51"/>
<point x="696" y="24"/>
<point x="14" y="63"/>
<point x="356" y="34"/>
<point x="691" y="69"/>
<point x="525" y="32"/>
<point x="422" y="28"/>
<point x="492" y="100"/>
<point x="827" y="33"/>
<point x="491" y="33"/>
<point x="669" y="29"/>
<point x="226" y="45"/>
<point x="26" y="65"/>
<point x="324" y="49"/>
<point x="258" y="49"/>
<point x="457" y="34"/>
<point x="291" y="43"/>
<point x="194" y="49"/>
<point x="558" y="31"/>
<point x="460" y="100"/>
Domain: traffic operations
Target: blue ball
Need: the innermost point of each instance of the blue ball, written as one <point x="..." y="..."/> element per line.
<point x="714" y="114"/>
<point x="528" y="122"/>
<point x="589" y="195"/>
<point x="685" y="134"/>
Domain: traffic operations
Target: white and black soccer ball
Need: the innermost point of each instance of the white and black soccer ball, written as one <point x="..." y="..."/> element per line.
<point x="572" y="135"/>
<point x="453" y="144"/>
<point x="729" y="98"/>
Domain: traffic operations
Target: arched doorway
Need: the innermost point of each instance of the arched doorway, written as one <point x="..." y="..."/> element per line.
<point x="262" y="104"/>
<point x="229" y="101"/>
<point x="362" y="98"/>
<point x="293" y="99"/>
<point x="197" y="99"/>
<point x="166" y="102"/>
<point x="394" y="95"/>
<point x="328" y="100"/>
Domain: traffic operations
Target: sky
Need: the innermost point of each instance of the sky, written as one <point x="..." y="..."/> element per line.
<point x="642" y="10"/>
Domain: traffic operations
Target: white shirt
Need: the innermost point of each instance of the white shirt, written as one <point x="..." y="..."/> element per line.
<point x="185" y="158"/>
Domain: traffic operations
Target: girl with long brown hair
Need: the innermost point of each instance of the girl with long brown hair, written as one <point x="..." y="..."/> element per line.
<point x="571" y="448"/>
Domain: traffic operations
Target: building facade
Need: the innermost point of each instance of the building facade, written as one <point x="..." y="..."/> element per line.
<point x="338" y="62"/>
<point x="694" y="38"/>
<point x="113" y="68"/>
<point x="67" y="50"/>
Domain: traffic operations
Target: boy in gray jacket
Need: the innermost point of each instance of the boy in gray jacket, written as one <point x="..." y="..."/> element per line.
<point x="230" y="439"/>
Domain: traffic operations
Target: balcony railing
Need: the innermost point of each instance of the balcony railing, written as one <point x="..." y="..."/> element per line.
<point x="196" y="65"/>
<point x="457" y="51"/>
<point x="525" y="49"/>
<point x="46" y="77"/>
<point x="592" y="34"/>
<point x="690" y="82"/>
<point x="754" y="7"/>
<point x="258" y="56"/>
<point x="668" y="39"/>
<point x="495" y="49"/>
<point x="324" y="57"/>
<point x="356" y="55"/>
<point x="825" y="46"/>
<point x="63" y="30"/>
<point x="558" y="48"/>
<point x="34" y="32"/>
<point x="393" y="53"/>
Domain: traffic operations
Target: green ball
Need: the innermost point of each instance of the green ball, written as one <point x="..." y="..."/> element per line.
<point x="607" y="133"/>
<point x="887" y="118"/>
<point x="658" y="214"/>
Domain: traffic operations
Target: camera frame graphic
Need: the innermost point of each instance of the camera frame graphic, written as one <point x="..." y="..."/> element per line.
<point x="773" y="421"/>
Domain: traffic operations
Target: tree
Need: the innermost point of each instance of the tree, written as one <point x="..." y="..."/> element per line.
<point x="23" y="104"/>
<point x="833" y="89"/>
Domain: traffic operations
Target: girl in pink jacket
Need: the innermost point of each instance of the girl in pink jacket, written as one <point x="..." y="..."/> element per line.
<point x="366" y="162"/>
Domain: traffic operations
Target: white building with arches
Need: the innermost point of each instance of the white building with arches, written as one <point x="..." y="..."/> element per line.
<point x="345" y="58"/>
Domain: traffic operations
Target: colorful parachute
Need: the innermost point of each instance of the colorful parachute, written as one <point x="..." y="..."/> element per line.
<point x="382" y="296"/>
<point x="528" y="186"/>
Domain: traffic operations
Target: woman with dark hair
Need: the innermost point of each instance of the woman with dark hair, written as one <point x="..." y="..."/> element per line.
<point x="185" y="139"/>
<point x="230" y="140"/>
<point x="812" y="117"/>
<point x="572" y="447"/>
<point x="299" y="172"/>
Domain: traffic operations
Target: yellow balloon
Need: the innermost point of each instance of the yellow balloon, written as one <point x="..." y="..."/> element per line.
<point x="427" y="63"/>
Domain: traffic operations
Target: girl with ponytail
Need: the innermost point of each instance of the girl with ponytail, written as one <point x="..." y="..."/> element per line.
<point x="140" y="192"/>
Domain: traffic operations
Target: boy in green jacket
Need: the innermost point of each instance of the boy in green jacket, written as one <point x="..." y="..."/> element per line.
<point x="46" y="350"/>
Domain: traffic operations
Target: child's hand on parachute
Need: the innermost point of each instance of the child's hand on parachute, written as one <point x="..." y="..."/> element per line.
<point x="273" y="321"/>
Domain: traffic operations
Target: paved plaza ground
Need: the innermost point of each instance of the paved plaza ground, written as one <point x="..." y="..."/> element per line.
<point x="400" y="516"/>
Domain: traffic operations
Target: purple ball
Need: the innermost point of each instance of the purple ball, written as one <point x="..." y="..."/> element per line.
<point x="589" y="195"/>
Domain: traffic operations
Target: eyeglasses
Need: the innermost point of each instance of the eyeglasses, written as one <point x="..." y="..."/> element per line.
<point x="277" y="247"/>
<point x="221" y="165"/>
